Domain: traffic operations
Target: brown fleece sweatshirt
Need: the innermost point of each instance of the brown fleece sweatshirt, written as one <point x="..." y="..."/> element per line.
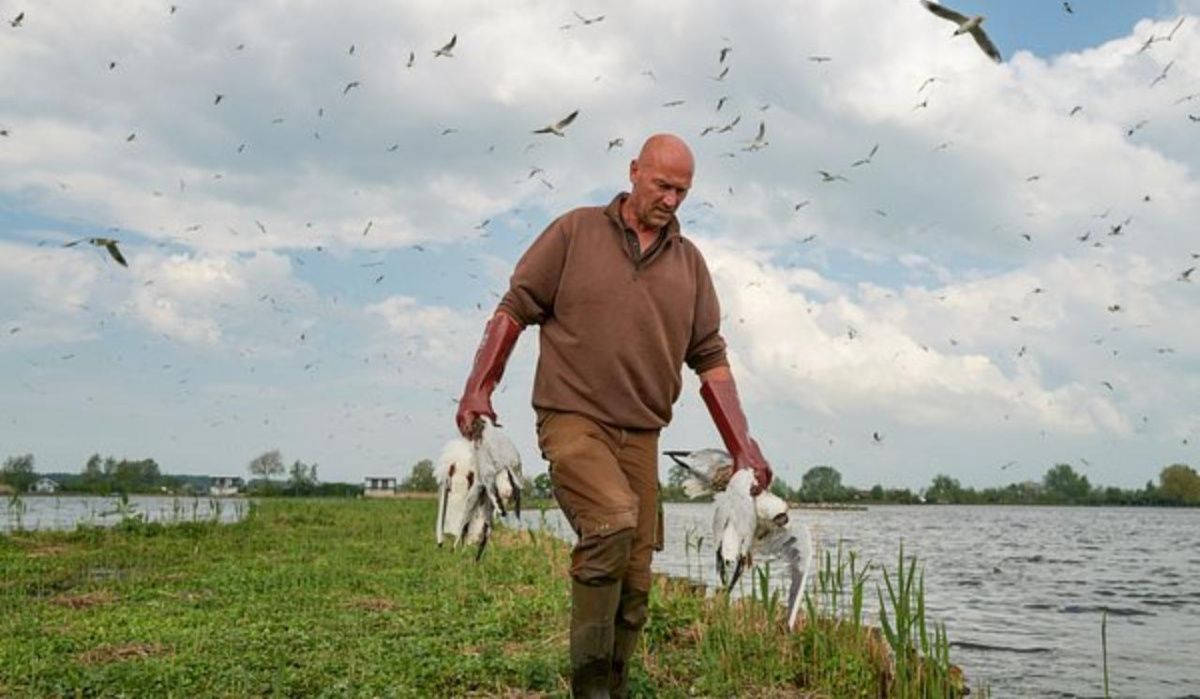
<point x="615" y="331"/>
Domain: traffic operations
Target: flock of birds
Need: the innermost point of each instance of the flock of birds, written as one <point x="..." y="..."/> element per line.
<point x="963" y="25"/>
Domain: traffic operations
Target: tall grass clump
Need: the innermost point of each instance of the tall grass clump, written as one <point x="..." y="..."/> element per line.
<point x="921" y="660"/>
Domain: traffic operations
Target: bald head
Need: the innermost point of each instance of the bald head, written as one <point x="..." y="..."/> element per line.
<point x="668" y="149"/>
<point x="661" y="177"/>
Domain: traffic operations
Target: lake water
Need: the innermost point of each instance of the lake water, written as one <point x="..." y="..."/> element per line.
<point x="65" y="512"/>
<point x="1021" y="589"/>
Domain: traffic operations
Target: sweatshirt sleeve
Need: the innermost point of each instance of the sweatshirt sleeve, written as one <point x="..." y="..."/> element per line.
<point x="534" y="282"/>
<point x="707" y="348"/>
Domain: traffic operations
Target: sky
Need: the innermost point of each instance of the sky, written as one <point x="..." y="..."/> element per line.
<point x="1001" y="286"/>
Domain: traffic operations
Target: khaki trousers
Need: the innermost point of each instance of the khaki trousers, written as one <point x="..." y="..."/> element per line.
<point x="605" y="480"/>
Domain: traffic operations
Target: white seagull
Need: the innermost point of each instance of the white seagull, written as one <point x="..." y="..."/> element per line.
<point x="557" y="128"/>
<point x="760" y="141"/>
<point x="499" y="466"/>
<point x="734" y="525"/>
<point x="711" y="470"/>
<point x="456" y="477"/>
<point x="966" y="25"/>
<point x="448" y="49"/>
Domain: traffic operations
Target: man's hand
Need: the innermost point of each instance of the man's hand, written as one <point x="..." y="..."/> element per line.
<point x="469" y="418"/>
<point x="476" y="402"/>
<point x="753" y="459"/>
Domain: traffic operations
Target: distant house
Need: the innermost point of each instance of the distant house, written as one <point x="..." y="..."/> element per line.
<point x="384" y="487"/>
<point x="225" y="485"/>
<point x="44" y="485"/>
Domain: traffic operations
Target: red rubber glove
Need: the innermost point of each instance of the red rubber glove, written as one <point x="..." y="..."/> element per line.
<point x="721" y="397"/>
<point x="499" y="337"/>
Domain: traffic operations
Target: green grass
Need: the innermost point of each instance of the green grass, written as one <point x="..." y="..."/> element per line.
<point x="337" y="598"/>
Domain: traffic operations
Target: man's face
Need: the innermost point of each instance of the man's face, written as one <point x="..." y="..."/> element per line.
<point x="660" y="184"/>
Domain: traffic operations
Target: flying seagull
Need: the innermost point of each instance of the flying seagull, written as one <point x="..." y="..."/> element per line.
<point x="760" y="141"/>
<point x="589" y="20"/>
<point x="107" y="243"/>
<point x="866" y="160"/>
<point x="1163" y="75"/>
<point x="447" y="49"/>
<point x="16" y="21"/>
<point x="966" y="25"/>
<point x="557" y="128"/>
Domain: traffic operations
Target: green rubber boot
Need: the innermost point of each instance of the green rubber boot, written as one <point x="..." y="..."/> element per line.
<point x="631" y="617"/>
<point x="593" y="611"/>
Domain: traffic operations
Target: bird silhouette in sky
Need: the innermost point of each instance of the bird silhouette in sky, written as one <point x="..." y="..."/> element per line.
<point x="557" y="127"/>
<point x="447" y="49"/>
<point x="108" y="244"/>
<point x="966" y="25"/>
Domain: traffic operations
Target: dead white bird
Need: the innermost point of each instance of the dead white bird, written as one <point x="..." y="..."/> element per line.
<point x="499" y="466"/>
<point x="711" y="470"/>
<point x="734" y="524"/>
<point x="456" y="477"/>
<point x="966" y="25"/>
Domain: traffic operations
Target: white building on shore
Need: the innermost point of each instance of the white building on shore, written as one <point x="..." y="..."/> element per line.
<point x="379" y="487"/>
<point x="223" y="486"/>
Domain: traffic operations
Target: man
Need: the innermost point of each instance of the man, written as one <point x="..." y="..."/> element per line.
<point x="623" y="300"/>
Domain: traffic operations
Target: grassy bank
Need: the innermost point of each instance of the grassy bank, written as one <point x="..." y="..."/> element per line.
<point x="342" y="598"/>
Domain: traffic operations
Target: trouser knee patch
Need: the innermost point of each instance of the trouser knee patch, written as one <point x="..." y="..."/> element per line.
<point x="602" y="559"/>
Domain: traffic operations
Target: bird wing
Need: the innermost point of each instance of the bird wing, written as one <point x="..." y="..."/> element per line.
<point x="499" y="449"/>
<point x="116" y="254"/>
<point x="562" y="124"/>
<point x="762" y="131"/>
<point x="944" y="12"/>
<point x="451" y="43"/>
<point x="986" y="44"/>
<point x="709" y="470"/>
<point x="443" y="496"/>
<point x="784" y="546"/>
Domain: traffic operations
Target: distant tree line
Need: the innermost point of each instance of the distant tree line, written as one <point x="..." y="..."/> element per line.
<point x="1178" y="485"/>
<point x="107" y="475"/>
